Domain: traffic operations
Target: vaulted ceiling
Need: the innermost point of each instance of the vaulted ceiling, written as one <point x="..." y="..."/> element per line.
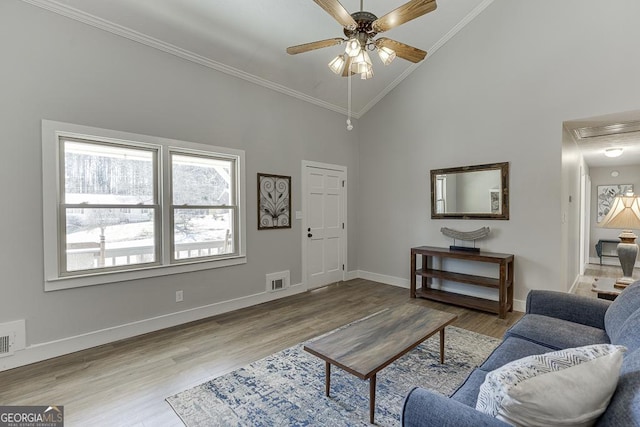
<point x="248" y="38"/>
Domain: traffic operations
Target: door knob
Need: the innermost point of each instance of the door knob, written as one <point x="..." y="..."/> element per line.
<point x="309" y="235"/>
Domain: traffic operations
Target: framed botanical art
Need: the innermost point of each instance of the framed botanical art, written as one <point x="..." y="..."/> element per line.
<point x="606" y="194"/>
<point x="274" y="201"/>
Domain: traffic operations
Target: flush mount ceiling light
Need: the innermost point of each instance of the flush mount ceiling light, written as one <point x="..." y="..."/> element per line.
<point x="613" y="152"/>
<point x="360" y="29"/>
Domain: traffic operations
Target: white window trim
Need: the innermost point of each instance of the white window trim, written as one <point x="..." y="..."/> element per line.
<point x="51" y="131"/>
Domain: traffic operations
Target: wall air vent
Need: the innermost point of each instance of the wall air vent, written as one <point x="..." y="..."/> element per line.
<point x="5" y="346"/>
<point x="12" y="337"/>
<point x="277" y="281"/>
<point x="277" y="284"/>
<point x="606" y="130"/>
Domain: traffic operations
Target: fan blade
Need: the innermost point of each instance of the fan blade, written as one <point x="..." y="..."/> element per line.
<point x="402" y="50"/>
<point x="339" y="13"/>
<point x="404" y="13"/>
<point x="301" y="48"/>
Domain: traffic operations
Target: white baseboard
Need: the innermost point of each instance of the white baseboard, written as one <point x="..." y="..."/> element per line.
<point x="350" y="275"/>
<point x="38" y="352"/>
<point x="518" y="305"/>
<point x="43" y="351"/>
<point x="389" y="280"/>
<point x="573" y="287"/>
<point x="612" y="261"/>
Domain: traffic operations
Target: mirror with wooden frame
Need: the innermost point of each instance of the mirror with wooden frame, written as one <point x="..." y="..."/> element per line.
<point x="471" y="192"/>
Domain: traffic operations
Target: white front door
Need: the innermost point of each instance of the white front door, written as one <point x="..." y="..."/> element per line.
<point x="324" y="228"/>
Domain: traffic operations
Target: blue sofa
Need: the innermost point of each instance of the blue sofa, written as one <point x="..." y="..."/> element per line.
<point x="553" y="321"/>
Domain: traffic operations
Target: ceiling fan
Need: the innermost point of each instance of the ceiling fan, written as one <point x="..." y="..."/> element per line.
<point x="361" y="28"/>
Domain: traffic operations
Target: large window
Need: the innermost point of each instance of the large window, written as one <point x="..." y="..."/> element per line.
<point x="203" y="206"/>
<point x="108" y="206"/>
<point x="123" y="206"/>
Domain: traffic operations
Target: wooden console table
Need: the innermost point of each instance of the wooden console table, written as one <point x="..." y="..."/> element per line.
<point x="504" y="284"/>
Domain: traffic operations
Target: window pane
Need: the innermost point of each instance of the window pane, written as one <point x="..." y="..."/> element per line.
<point x="105" y="174"/>
<point x="203" y="232"/>
<point x="99" y="238"/>
<point x="201" y="181"/>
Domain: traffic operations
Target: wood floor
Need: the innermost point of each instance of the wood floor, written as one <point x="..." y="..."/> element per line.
<point x="125" y="383"/>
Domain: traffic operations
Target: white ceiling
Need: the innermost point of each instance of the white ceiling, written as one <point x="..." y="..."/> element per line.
<point x="248" y="38"/>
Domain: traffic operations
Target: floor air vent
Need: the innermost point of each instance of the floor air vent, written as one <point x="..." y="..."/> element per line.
<point x="277" y="281"/>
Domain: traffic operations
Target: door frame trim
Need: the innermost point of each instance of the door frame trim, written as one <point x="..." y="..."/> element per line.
<point x="303" y="198"/>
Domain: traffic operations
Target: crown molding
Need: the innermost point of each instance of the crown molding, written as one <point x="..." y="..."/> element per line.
<point x="120" y="30"/>
<point x="103" y="24"/>
<point x="606" y="130"/>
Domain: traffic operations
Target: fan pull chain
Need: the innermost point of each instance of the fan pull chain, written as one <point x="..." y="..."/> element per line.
<point x="349" y="125"/>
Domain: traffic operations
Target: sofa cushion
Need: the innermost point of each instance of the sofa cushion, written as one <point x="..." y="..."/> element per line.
<point x="512" y="348"/>
<point x="624" y="408"/>
<point x="423" y="408"/>
<point x="619" y="311"/>
<point x="556" y="333"/>
<point x="569" y="307"/>
<point x="628" y="334"/>
<point x="566" y="387"/>
<point x="467" y="393"/>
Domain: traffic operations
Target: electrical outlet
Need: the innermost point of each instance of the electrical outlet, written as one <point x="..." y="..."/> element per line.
<point x="179" y="296"/>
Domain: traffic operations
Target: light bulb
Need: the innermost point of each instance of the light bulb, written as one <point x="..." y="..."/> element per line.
<point x="353" y="47"/>
<point x="349" y="125"/>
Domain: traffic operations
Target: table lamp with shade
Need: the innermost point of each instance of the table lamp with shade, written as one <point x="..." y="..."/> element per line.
<point x="625" y="214"/>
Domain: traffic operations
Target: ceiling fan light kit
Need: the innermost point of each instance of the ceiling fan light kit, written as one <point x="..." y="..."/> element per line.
<point x="360" y="29"/>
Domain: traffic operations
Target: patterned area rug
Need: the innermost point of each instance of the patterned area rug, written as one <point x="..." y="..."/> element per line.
<point x="287" y="388"/>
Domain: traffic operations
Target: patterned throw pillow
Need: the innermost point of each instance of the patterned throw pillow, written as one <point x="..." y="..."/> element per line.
<point x="565" y="387"/>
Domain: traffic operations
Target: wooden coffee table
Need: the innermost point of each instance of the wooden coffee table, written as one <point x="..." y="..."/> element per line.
<point x="366" y="346"/>
<point x="605" y="288"/>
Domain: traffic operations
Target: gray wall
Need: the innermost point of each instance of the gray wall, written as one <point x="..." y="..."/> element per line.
<point x="58" y="69"/>
<point x="498" y="91"/>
